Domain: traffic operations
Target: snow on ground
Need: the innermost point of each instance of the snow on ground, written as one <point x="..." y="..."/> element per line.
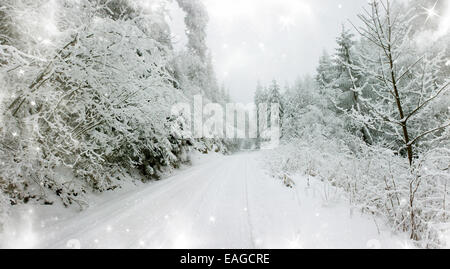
<point x="222" y="202"/>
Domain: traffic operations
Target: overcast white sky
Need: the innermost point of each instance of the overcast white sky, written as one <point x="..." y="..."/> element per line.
<point x="270" y="39"/>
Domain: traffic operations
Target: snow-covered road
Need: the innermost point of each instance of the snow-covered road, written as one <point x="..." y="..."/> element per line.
<point x="227" y="202"/>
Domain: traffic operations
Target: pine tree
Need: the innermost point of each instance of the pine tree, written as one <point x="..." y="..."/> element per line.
<point x="197" y="62"/>
<point x="259" y="94"/>
<point x="259" y="98"/>
<point x="348" y="81"/>
<point x="274" y="97"/>
<point x="324" y="71"/>
<point x="347" y="77"/>
<point x="196" y="21"/>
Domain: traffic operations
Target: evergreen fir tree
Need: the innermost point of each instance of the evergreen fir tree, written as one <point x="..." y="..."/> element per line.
<point x="324" y="74"/>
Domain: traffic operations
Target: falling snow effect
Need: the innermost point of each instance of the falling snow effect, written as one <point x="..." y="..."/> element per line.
<point x="92" y="157"/>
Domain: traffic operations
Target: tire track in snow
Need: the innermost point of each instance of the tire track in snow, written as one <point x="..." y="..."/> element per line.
<point x="195" y="204"/>
<point x="249" y="222"/>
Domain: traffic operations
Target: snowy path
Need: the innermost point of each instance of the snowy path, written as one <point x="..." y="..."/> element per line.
<point x="227" y="202"/>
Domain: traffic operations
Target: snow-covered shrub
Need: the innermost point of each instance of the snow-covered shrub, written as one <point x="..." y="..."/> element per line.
<point x="377" y="181"/>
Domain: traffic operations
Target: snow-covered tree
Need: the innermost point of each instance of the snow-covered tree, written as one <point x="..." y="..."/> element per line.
<point x="406" y="90"/>
<point x="260" y="97"/>
<point x="405" y="86"/>
<point x="196" y="21"/>
<point x="196" y="62"/>
<point x="274" y="96"/>
<point x="324" y="71"/>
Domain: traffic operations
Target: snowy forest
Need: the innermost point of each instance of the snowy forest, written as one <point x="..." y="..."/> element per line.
<point x="91" y="93"/>
<point x="86" y="91"/>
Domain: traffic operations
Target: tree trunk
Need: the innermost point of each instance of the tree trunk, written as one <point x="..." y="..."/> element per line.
<point x="408" y="145"/>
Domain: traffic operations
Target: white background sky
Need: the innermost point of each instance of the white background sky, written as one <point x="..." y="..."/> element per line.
<point x="270" y="39"/>
<point x="262" y="40"/>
